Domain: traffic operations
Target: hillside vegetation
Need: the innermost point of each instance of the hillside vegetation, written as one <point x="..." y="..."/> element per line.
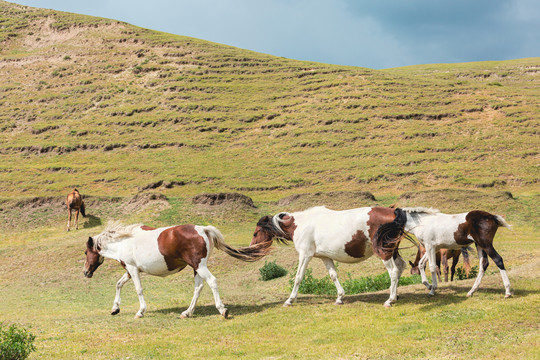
<point x="112" y="108"/>
<point x="144" y="123"/>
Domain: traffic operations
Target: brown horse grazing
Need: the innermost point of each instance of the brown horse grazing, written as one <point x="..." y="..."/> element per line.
<point x="162" y="252"/>
<point x="74" y="201"/>
<point x="442" y="257"/>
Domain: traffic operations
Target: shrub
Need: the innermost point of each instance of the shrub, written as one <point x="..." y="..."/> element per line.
<point x="15" y="343"/>
<point x="271" y="270"/>
<point x="461" y="275"/>
<point x="325" y="286"/>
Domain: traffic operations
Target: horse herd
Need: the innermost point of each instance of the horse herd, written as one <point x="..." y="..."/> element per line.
<point x="348" y="236"/>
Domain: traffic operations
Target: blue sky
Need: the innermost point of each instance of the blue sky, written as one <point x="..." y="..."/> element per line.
<point x="369" y="33"/>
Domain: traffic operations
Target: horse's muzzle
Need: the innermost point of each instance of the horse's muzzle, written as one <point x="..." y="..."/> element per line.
<point x="88" y="274"/>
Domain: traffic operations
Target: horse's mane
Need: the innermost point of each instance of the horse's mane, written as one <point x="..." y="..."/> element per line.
<point x="114" y="231"/>
<point x="420" y="210"/>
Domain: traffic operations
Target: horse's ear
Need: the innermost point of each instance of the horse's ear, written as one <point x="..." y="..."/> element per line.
<point x="412" y="265"/>
<point x="90" y="242"/>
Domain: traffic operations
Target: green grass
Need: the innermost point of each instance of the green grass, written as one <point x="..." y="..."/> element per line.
<point x="111" y="108"/>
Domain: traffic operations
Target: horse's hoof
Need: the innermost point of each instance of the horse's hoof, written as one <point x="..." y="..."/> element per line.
<point x="508" y="296"/>
<point x="287" y="304"/>
<point x="225" y="314"/>
<point x="470" y="294"/>
<point x="431" y="293"/>
<point x="138" y="316"/>
<point x="387" y="305"/>
<point x="183" y="316"/>
<point x="338" y="302"/>
<point x="114" y="312"/>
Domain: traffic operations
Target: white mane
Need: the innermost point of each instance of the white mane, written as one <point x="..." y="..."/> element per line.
<point x="114" y="231"/>
<point x="421" y="210"/>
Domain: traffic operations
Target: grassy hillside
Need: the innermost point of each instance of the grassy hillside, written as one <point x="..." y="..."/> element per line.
<point x="141" y="121"/>
<point x="82" y="95"/>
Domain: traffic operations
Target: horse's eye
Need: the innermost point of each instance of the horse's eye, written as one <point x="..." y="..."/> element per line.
<point x="85" y="252"/>
<point x="254" y="234"/>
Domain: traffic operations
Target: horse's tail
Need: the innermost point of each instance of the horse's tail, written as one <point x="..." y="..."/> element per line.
<point x="250" y="253"/>
<point x="388" y="236"/>
<point x="501" y="222"/>
<point x="83" y="210"/>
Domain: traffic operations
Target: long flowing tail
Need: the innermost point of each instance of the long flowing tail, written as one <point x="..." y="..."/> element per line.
<point x="250" y="253"/>
<point x="387" y="237"/>
<point x="83" y="210"/>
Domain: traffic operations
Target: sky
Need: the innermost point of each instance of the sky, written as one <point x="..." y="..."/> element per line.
<point x="376" y="34"/>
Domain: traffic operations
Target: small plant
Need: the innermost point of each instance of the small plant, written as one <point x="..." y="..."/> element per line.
<point x="271" y="270"/>
<point x="462" y="275"/>
<point x="15" y="343"/>
<point x="325" y="286"/>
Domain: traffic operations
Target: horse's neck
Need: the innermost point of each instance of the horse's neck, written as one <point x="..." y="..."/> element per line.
<point x="112" y="250"/>
<point x="414" y="222"/>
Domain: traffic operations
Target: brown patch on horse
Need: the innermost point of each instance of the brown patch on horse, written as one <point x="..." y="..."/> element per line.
<point x="288" y="226"/>
<point x="356" y="248"/>
<point x="483" y="227"/>
<point x="147" y="228"/>
<point x="460" y="235"/>
<point x="378" y="216"/>
<point x="180" y="246"/>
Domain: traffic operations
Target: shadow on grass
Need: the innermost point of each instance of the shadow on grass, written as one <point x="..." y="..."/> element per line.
<point x="458" y="294"/>
<point x="210" y="310"/>
<point x="92" y="221"/>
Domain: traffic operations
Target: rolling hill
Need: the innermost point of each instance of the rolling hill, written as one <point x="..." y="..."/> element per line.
<point x="113" y="108"/>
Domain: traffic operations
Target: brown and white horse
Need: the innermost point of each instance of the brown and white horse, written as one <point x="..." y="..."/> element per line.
<point x="74" y="201"/>
<point x="345" y="236"/>
<point x="442" y="257"/>
<point x="435" y="231"/>
<point x="162" y="252"/>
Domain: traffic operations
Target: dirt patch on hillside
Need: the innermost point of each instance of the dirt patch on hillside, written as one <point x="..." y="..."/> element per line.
<point x="337" y="200"/>
<point x="223" y="199"/>
<point x="456" y="201"/>
<point x="52" y="211"/>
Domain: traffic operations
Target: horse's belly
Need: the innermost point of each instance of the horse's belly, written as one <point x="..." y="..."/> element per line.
<point x="342" y="256"/>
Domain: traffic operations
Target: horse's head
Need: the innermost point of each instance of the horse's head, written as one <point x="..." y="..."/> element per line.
<point x="281" y="227"/>
<point x="414" y="269"/>
<point x="93" y="258"/>
<point x="264" y="231"/>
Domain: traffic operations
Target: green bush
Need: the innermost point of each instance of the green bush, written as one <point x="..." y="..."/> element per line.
<point x="15" y="343"/>
<point x="461" y="275"/>
<point x="271" y="270"/>
<point x="325" y="286"/>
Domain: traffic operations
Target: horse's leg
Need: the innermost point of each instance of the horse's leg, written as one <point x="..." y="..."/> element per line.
<point x="69" y="218"/>
<point x="134" y="272"/>
<point x="77" y="219"/>
<point x="455" y="261"/>
<point x="444" y="264"/>
<point x="212" y="282"/>
<point x="483" y="264"/>
<point x="466" y="261"/>
<point x="497" y="259"/>
<point x="422" y="268"/>
<point x="393" y="271"/>
<point x="432" y="257"/>
<point x="333" y="275"/>
<point x="119" y="284"/>
<point x="401" y="265"/>
<point x="198" y="287"/>
<point x="303" y="261"/>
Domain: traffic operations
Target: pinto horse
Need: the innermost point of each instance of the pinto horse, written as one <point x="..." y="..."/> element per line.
<point x="74" y="201"/>
<point x="345" y="236"/>
<point x="442" y="257"/>
<point x="162" y="252"/>
<point x="435" y="231"/>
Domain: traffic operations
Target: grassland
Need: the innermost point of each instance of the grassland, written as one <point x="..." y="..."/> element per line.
<point x="141" y="121"/>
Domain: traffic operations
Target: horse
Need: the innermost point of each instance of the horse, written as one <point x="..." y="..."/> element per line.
<point x="442" y="256"/>
<point x="436" y="230"/>
<point x="345" y="236"/>
<point x="162" y="252"/>
<point x="74" y="201"/>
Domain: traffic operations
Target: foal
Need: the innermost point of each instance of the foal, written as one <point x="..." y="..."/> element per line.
<point x="436" y="231"/>
<point x="162" y="252"/>
<point x="74" y="201"/>
<point x="442" y="257"/>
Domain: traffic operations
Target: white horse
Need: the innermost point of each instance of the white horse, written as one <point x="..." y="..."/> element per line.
<point x="161" y="252"/>
<point x="437" y="231"/>
<point x="345" y="236"/>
